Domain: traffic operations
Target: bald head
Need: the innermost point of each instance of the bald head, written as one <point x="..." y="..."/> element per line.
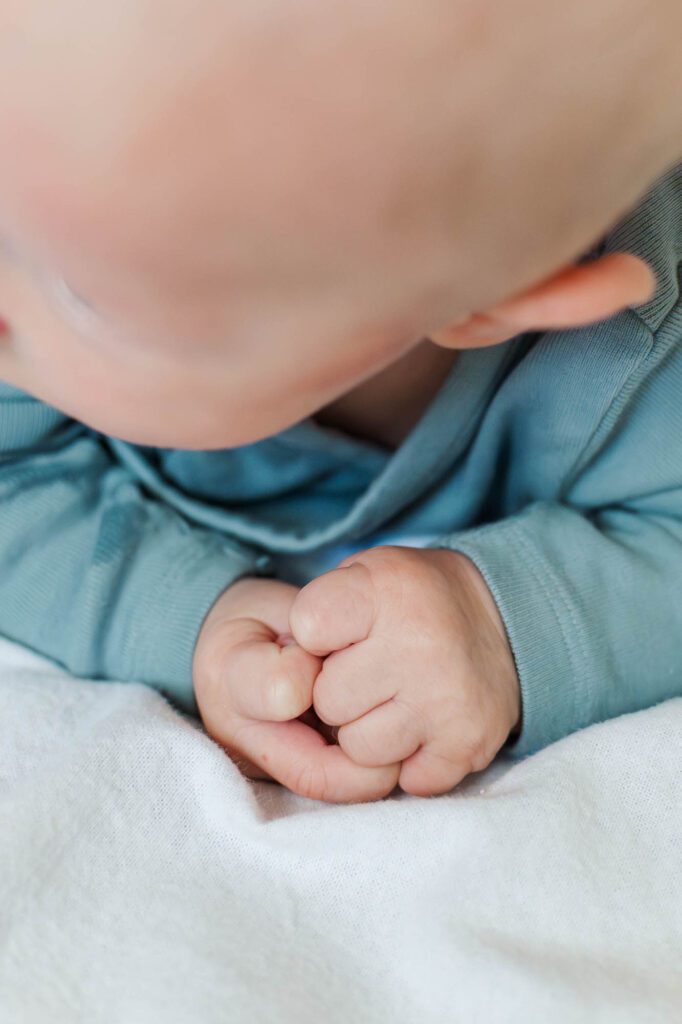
<point x="287" y="176"/>
<point x="289" y="144"/>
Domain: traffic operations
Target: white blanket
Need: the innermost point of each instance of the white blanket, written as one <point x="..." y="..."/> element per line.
<point x="144" y="881"/>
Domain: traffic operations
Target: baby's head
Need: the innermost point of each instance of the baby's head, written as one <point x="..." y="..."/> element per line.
<point x="216" y="218"/>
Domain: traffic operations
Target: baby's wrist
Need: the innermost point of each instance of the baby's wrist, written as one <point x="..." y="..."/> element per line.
<point x="490" y="622"/>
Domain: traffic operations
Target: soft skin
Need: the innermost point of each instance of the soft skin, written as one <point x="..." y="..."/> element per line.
<point x="151" y="161"/>
<point x="165" y="241"/>
<point x="417" y="672"/>
<point x="404" y="650"/>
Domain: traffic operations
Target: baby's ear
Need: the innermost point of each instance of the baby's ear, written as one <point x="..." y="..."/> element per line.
<point x="574" y="297"/>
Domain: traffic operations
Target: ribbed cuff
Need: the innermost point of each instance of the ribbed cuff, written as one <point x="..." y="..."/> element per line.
<point x="159" y="644"/>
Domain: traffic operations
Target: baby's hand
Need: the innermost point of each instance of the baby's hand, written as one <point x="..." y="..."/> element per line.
<point x="419" y="668"/>
<point x="252" y="681"/>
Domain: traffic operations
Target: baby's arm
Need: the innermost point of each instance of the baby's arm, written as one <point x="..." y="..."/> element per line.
<point x="93" y="573"/>
<point x="114" y="585"/>
<point x="590" y="588"/>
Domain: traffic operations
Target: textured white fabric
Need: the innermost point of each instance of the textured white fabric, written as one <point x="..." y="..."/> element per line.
<point x="143" y="881"/>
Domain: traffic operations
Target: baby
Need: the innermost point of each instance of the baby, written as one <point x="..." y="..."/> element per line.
<point x="195" y="423"/>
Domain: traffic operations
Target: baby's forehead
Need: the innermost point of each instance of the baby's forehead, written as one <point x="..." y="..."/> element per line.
<point x="119" y="129"/>
<point x="258" y="141"/>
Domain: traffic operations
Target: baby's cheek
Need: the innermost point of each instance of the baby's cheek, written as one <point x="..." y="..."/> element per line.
<point x="121" y="393"/>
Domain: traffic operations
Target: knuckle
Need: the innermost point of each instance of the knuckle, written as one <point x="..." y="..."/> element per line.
<point x="354" y="742"/>
<point x="375" y="784"/>
<point x="419" y="716"/>
<point x="414" y="785"/>
<point x="433" y="774"/>
<point x="416" y="779"/>
<point x="304" y="619"/>
<point x="477" y="753"/>
<point x="385" y="783"/>
<point x="328" y="700"/>
<point x="391" y="776"/>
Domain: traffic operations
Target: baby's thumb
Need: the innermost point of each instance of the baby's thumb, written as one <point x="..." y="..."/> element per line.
<point x="334" y="610"/>
<point x="267" y="680"/>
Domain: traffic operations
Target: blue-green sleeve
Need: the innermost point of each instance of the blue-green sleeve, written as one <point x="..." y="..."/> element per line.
<point x="590" y="586"/>
<point x="94" y="573"/>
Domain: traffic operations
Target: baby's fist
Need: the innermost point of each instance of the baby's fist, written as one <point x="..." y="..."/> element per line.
<point x="418" y="667"/>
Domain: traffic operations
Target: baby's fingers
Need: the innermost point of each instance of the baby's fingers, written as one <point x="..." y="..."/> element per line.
<point x="298" y="757"/>
<point x="334" y="610"/>
<point x="266" y="681"/>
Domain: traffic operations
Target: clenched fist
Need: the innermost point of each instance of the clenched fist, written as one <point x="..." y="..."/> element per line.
<point x="417" y="667"/>
<point x="402" y="652"/>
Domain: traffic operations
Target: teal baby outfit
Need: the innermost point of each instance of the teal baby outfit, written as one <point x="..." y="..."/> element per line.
<point x="553" y="461"/>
